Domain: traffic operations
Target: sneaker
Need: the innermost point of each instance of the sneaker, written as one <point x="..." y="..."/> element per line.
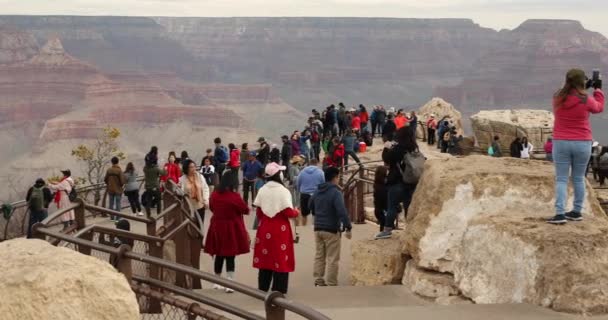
<point x="218" y="287"/>
<point x="321" y="284"/>
<point x="574" y="216"/>
<point x="558" y="219"/>
<point x="141" y="214"/>
<point x="228" y="290"/>
<point x="383" y="235"/>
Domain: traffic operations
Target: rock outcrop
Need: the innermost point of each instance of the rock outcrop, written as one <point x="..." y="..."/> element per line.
<point x="430" y="284"/>
<point x="442" y="110"/>
<point x="377" y="262"/>
<point x="476" y="218"/>
<point x="537" y="125"/>
<point x="39" y="281"/>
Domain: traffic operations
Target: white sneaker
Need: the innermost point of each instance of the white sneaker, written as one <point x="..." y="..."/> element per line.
<point x="141" y="214"/>
<point x="228" y="290"/>
<point x="218" y="287"/>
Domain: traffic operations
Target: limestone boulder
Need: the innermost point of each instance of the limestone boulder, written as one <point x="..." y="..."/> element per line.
<point x="377" y="262"/>
<point x="430" y="284"/>
<point x="40" y="281"/>
<point x="537" y="125"/>
<point x="482" y="219"/>
<point x="440" y="108"/>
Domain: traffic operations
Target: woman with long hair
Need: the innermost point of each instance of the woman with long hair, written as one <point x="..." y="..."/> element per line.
<point x="380" y="195"/>
<point x="193" y="185"/>
<point x="227" y="236"/>
<point x="273" y="253"/>
<point x="132" y="189"/>
<point x="397" y="191"/>
<point x="526" y="148"/>
<point x="234" y="163"/>
<point x="572" y="140"/>
<point x="62" y="191"/>
<point x="172" y="168"/>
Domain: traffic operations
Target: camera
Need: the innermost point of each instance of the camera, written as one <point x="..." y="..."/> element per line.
<point x="596" y="80"/>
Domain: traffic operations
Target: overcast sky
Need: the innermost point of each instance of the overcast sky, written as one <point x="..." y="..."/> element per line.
<point x="496" y="14"/>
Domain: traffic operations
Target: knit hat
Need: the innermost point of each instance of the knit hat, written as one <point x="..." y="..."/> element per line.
<point x="273" y="168"/>
<point x="576" y="77"/>
<point x="261" y="139"/>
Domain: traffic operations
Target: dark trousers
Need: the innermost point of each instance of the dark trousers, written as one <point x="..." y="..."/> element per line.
<point x="430" y="134"/>
<point x="133" y="197"/>
<point x="35" y="217"/>
<point x="381" y="217"/>
<point x="603" y="174"/>
<point x="248" y="186"/>
<point x="444" y="146"/>
<point x="279" y="280"/>
<point x="220" y="168"/>
<point x="316" y="150"/>
<point x="397" y="194"/>
<point x="219" y="264"/>
<point x="156" y="195"/>
<point x="234" y="174"/>
<point x="374" y="127"/>
<point x="352" y="154"/>
<point x="201" y="213"/>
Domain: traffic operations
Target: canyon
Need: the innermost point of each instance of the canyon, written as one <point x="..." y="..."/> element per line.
<point x="182" y="81"/>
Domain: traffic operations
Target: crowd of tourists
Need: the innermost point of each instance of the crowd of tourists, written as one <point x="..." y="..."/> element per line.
<point x="299" y="178"/>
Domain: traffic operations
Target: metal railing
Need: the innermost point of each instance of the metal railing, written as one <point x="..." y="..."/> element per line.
<point x="164" y="288"/>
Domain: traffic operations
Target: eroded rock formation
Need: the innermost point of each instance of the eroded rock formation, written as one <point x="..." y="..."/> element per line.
<point x="40" y="281"/>
<point x="377" y="262"/>
<point x="442" y="110"/>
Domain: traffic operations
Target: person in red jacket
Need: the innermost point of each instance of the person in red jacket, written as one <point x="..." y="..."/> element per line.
<point x="339" y="153"/>
<point x="364" y="117"/>
<point x="400" y="120"/>
<point x="273" y="253"/>
<point x="234" y="163"/>
<point x="572" y="140"/>
<point x="356" y="123"/>
<point x="174" y="172"/>
<point x="227" y="236"/>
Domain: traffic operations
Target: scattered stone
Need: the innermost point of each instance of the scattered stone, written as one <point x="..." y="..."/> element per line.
<point x="40" y="281"/>
<point x="430" y="284"/>
<point x="537" y="125"/>
<point x="377" y="262"/>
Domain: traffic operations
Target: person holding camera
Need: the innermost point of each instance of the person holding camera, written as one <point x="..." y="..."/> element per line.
<point x="572" y="139"/>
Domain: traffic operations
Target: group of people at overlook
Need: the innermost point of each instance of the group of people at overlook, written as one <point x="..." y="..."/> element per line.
<point x="292" y="181"/>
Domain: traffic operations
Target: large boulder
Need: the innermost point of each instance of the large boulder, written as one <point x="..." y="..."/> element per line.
<point x="377" y="262"/>
<point x="440" y="108"/>
<point x="40" y="281"/>
<point x="537" y="125"/>
<point x="481" y="219"/>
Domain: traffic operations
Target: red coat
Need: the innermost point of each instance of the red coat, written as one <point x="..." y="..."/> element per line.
<point x="227" y="235"/>
<point x="356" y="123"/>
<point x="274" y="242"/>
<point x="174" y="172"/>
<point x="235" y="159"/>
<point x="364" y="117"/>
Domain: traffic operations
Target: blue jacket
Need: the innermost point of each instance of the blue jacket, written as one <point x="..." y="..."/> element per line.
<point x="309" y="180"/>
<point x="327" y="205"/>
<point x="349" y="143"/>
<point x="304" y="149"/>
<point x="251" y="170"/>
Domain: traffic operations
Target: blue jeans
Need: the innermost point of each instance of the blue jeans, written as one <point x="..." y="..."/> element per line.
<point x="570" y="156"/>
<point x="115" y="202"/>
<point x="397" y="194"/>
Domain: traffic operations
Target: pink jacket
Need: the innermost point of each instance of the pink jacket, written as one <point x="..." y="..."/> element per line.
<point x="572" y="116"/>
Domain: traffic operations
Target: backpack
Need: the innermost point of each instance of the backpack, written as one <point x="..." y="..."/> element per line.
<point x="490" y="151"/>
<point x="36" y="202"/>
<point x="224" y="155"/>
<point x="73" y="195"/>
<point x="413" y="166"/>
<point x="446" y="136"/>
<point x="603" y="161"/>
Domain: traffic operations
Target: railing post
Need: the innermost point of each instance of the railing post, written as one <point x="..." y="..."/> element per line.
<point x="35" y="233"/>
<point x="123" y="264"/>
<point x="274" y="312"/>
<point x="360" y="214"/>
<point x="80" y="215"/>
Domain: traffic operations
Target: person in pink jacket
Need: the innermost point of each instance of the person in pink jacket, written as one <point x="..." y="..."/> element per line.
<point x="572" y="139"/>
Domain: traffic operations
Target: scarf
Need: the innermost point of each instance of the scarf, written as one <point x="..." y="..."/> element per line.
<point x="195" y="188"/>
<point x="57" y="198"/>
<point x="273" y="198"/>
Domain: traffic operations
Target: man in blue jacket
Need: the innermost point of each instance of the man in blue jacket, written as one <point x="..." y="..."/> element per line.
<point x="331" y="219"/>
<point x="307" y="183"/>
<point x="251" y="170"/>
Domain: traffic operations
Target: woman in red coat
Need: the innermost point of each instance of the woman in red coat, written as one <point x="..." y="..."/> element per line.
<point x="174" y="172"/>
<point x="273" y="253"/>
<point x="227" y="236"/>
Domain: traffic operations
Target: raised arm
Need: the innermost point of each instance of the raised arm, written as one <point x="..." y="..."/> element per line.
<point x="596" y="105"/>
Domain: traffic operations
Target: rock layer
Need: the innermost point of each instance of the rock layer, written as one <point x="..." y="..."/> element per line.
<point x="377" y="262"/>
<point x="39" y="281"/>
<point x="428" y="283"/>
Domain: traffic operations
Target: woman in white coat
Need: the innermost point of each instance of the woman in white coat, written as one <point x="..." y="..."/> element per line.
<point x="526" y="148"/>
<point x="62" y="191"/>
<point x="194" y="185"/>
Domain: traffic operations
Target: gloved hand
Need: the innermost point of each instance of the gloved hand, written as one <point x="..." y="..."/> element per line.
<point x="348" y="235"/>
<point x="597" y="84"/>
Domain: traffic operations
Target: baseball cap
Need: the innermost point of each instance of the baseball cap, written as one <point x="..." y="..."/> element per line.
<point x="273" y="168"/>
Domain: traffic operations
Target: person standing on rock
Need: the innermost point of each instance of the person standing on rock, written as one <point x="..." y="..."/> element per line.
<point x="152" y="175"/>
<point x="331" y="220"/>
<point x="380" y="195"/>
<point x="132" y="189"/>
<point x="62" y="191"/>
<point x="38" y="199"/>
<point x="496" y="149"/>
<point x="398" y="191"/>
<point x="431" y="128"/>
<point x="227" y="236"/>
<point x="274" y="255"/>
<point x="115" y="181"/>
<point x="515" y="148"/>
<point x="307" y="184"/>
<point x="572" y="140"/>
<point x="549" y="149"/>
<point x="389" y="129"/>
<point x="526" y="148"/>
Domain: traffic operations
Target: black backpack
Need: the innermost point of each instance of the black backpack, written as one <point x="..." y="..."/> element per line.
<point x="73" y="195"/>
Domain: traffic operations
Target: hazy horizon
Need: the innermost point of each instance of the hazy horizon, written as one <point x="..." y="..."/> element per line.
<point x="495" y="14"/>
